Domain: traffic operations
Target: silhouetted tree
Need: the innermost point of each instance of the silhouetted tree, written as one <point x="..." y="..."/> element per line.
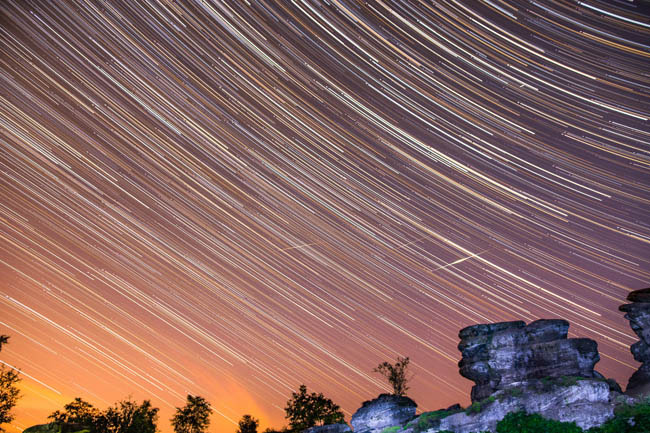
<point x="128" y="417"/>
<point x="124" y="417"/>
<point x="194" y="417"/>
<point x="396" y="374"/>
<point x="307" y="410"/>
<point x="248" y="424"/>
<point x="284" y="429"/>
<point x="78" y="412"/>
<point x="9" y="392"/>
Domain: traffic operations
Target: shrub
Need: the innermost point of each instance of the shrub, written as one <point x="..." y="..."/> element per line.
<point x="194" y="417"/>
<point x="396" y="374"/>
<point x="128" y="417"/>
<point x="568" y="380"/>
<point x="306" y="410"/>
<point x="478" y="406"/>
<point x="248" y="424"/>
<point x="9" y="392"/>
<point x="428" y="419"/>
<point x="77" y="411"/>
<point x="628" y="419"/>
<point x="521" y="422"/>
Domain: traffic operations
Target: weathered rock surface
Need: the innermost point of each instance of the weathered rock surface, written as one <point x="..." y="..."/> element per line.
<point x="642" y="295"/>
<point x="587" y="402"/>
<point x="498" y="355"/>
<point x="638" y="313"/>
<point x="385" y="411"/>
<point x="328" y="428"/>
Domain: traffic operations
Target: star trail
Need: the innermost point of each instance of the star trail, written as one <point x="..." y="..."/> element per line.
<point x="230" y="199"/>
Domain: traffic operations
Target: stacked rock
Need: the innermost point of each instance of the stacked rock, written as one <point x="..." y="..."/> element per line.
<point x="499" y="355"/>
<point x="638" y="313"/>
<point x="385" y="411"/>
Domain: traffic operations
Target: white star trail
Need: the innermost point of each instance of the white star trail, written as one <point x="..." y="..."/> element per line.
<point x="233" y="198"/>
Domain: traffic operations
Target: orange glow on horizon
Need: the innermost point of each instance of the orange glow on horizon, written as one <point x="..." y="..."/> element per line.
<point x="229" y="404"/>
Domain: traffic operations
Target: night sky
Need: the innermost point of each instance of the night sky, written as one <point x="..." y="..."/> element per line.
<point x="231" y="199"/>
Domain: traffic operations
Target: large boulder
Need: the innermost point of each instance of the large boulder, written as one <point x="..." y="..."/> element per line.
<point x="587" y="402"/>
<point x="638" y="313"/>
<point x="497" y="355"/>
<point x="385" y="411"/>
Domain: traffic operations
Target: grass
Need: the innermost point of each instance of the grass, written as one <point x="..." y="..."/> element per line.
<point x="478" y="406"/>
<point x="549" y="383"/>
<point x="510" y="392"/>
<point x="428" y="419"/>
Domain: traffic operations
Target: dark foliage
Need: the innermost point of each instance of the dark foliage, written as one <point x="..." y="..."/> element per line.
<point x="628" y="419"/>
<point x="284" y="429"/>
<point x="396" y="374"/>
<point x="128" y="417"/>
<point x="522" y="422"/>
<point x="428" y="420"/>
<point x="78" y="412"/>
<point x="125" y="417"/>
<point x="194" y="417"/>
<point x="248" y="424"/>
<point x="9" y="392"/>
<point x="307" y="410"/>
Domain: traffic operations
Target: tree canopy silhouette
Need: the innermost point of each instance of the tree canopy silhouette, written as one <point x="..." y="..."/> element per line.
<point x="248" y="424"/>
<point x="284" y="429"/>
<point x="78" y="412"/>
<point x="194" y="417"/>
<point x="396" y="374"/>
<point x="307" y="410"/>
<point x="9" y="392"/>
<point x="124" y="417"/>
<point x="128" y="417"/>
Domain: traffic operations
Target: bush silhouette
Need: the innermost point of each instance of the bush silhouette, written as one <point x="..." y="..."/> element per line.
<point x="396" y="374"/>
<point x="78" y="412"/>
<point x="194" y="417"/>
<point x="522" y="422"/>
<point x="307" y="410"/>
<point x="128" y="417"/>
<point x="628" y="419"/>
<point x="9" y="392"/>
<point x="248" y="424"/>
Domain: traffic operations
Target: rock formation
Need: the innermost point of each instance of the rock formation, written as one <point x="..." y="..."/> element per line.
<point x="587" y="402"/>
<point x="638" y="313"/>
<point x="516" y="367"/>
<point x="385" y="411"/>
<point x="498" y="356"/>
